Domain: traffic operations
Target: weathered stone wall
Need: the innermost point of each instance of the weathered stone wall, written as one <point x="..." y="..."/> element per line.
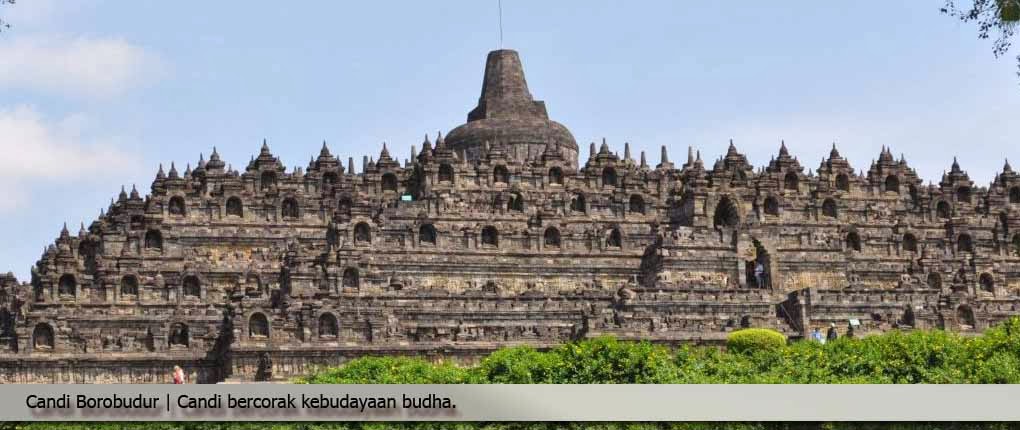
<point x="106" y="370"/>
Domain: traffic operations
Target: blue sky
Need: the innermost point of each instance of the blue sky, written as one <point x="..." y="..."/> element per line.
<point x="95" y="94"/>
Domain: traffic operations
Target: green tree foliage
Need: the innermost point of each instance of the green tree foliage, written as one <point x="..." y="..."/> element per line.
<point x="392" y="370"/>
<point x="993" y="17"/>
<point x="520" y="365"/>
<point x="608" y="361"/>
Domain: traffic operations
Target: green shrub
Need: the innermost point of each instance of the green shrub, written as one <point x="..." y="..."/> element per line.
<point x="391" y="370"/>
<point x="755" y="339"/>
<point x="520" y="365"/>
<point x="606" y="360"/>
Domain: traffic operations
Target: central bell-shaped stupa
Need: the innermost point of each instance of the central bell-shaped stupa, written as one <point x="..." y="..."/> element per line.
<point x="507" y="116"/>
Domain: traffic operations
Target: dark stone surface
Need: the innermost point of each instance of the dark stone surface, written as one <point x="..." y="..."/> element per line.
<point x="507" y="116"/>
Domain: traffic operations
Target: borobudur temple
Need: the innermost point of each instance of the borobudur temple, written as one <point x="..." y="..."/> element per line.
<point x="495" y="236"/>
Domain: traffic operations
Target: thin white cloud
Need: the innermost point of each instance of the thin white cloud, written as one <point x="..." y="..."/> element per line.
<point x="77" y="66"/>
<point x="37" y="150"/>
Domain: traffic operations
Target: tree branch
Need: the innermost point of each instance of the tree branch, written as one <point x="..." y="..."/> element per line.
<point x="4" y="24"/>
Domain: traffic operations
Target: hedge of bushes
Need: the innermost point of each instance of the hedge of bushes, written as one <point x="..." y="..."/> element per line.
<point x="755" y="357"/>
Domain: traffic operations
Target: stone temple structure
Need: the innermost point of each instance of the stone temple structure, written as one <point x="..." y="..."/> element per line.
<point x="493" y="236"/>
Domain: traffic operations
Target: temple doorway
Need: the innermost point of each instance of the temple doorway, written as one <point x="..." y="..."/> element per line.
<point x="758" y="270"/>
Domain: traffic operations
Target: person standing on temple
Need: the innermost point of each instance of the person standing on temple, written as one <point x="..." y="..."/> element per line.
<point x="816" y="336"/>
<point x="759" y="274"/>
<point x="832" y="335"/>
<point x="178" y="375"/>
